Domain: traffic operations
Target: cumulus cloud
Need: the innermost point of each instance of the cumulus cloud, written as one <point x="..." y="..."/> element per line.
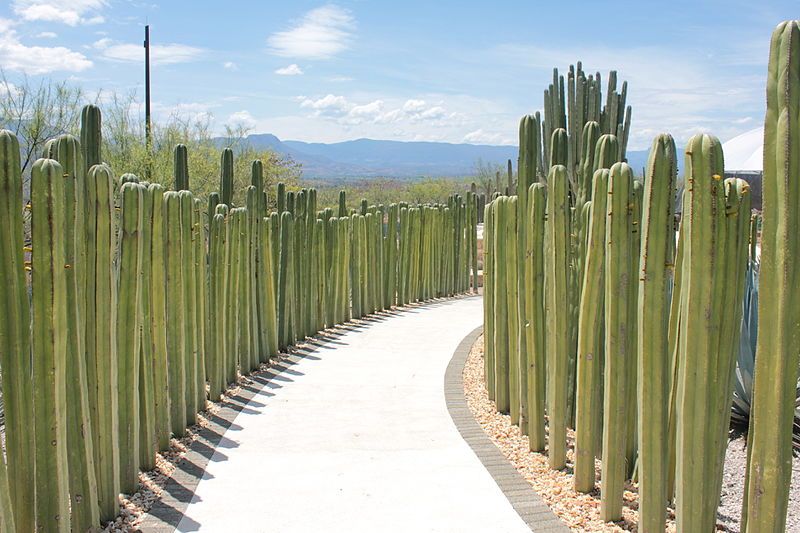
<point x="242" y="118"/>
<point x="480" y="136"/>
<point x="413" y="111"/>
<point x="320" y="34"/>
<point x="16" y="56"/>
<point x="47" y="35"/>
<point x="160" y="54"/>
<point x="291" y="70"/>
<point x="72" y="13"/>
<point x="230" y="65"/>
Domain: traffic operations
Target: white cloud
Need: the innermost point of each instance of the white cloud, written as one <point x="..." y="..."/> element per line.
<point x="163" y="54"/>
<point x="47" y="35"/>
<point x="480" y="136"/>
<point x="230" y="65"/>
<point x="18" y="57"/>
<point x="291" y="70"/>
<point x="320" y="34"/>
<point x="413" y="111"/>
<point x="242" y="118"/>
<point x="103" y="43"/>
<point x="71" y="13"/>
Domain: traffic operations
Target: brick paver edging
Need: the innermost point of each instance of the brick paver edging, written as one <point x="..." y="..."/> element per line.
<point x="528" y="504"/>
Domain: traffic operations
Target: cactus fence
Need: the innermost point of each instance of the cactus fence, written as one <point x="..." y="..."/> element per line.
<point x="598" y="317"/>
<point x="132" y="305"/>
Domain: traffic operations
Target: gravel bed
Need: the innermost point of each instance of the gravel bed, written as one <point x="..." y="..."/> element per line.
<point x="581" y="512"/>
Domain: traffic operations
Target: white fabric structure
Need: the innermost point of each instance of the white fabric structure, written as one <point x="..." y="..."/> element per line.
<point x="745" y="152"/>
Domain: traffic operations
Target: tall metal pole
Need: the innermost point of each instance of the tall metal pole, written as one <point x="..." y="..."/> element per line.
<point x="147" y="126"/>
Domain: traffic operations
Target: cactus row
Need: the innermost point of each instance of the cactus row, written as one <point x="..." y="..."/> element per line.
<point x="630" y="334"/>
<point x="143" y="307"/>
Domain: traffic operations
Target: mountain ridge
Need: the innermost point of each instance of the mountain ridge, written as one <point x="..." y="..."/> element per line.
<point x="371" y="158"/>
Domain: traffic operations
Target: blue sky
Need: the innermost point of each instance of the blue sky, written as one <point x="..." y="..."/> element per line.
<point x="452" y="71"/>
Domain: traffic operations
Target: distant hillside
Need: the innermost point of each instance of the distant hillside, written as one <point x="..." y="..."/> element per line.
<point x="364" y="158"/>
<point x="395" y="159"/>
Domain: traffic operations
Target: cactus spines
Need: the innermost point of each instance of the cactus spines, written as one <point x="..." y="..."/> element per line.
<point x="181" y="167"/>
<point x="556" y="293"/>
<point x="654" y="277"/>
<point x="15" y="363"/>
<point x="769" y="447"/>
<point x="226" y="177"/>
<point x="590" y="323"/>
<point x="618" y="355"/>
<point x="49" y="343"/>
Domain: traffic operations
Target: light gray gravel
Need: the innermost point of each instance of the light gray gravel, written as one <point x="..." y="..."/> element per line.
<point x="730" y="508"/>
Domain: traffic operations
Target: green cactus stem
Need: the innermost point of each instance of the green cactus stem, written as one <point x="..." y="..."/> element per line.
<point x="49" y="343"/>
<point x="777" y="363"/>
<point x="655" y="273"/>
<point x="226" y="177"/>
<point x="181" y="167"/>
<point x="618" y="354"/>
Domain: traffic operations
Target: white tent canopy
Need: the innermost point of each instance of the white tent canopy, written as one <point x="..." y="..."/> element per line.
<point x="745" y="152"/>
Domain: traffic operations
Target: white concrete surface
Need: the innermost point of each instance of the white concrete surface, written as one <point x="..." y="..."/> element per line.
<point x="359" y="440"/>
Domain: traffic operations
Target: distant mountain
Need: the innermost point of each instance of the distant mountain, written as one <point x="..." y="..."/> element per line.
<point x="365" y="158"/>
<point x="374" y="158"/>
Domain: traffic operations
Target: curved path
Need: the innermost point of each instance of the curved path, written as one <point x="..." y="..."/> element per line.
<point x="352" y="436"/>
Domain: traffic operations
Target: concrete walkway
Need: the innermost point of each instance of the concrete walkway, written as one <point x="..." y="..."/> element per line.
<point x="356" y="437"/>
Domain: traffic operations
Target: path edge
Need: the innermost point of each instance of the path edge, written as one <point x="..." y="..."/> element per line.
<point x="525" y="501"/>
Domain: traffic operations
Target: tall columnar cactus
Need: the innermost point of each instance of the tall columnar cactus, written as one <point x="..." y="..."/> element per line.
<point x="188" y="292"/>
<point x="269" y="300"/>
<point x="102" y="364"/>
<point x="489" y="311"/>
<point x="618" y="354"/>
<point x="91" y="136"/>
<point x="217" y="285"/>
<point x="226" y="177"/>
<point x="500" y="267"/>
<point x="633" y="330"/>
<point x="128" y="333"/>
<point x="181" y="167"/>
<point x="534" y="311"/>
<point x="590" y="337"/>
<point x="200" y="291"/>
<point x="82" y="477"/>
<point x="559" y="148"/>
<point x="49" y="343"/>
<point x="284" y="279"/>
<point x="654" y="277"/>
<point x="343" y="204"/>
<point x="769" y="445"/>
<point x="606" y="151"/>
<point x="556" y="293"/>
<point x="15" y="363"/>
<point x="706" y="359"/>
<point x="175" y="311"/>
<point x="232" y="295"/>
<point x="517" y="360"/>
<point x="158" y="317"/>
<point x="147" y="405"/>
